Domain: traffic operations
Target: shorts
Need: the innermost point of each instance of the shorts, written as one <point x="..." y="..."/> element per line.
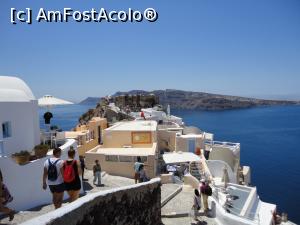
<point x="74" y="185"/>
<point x="57" y="188"/>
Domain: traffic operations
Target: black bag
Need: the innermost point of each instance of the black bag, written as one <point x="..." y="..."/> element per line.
<point x="6" y="195"/>
<point x="52" y="171"/>
<point x="208" y="190"/>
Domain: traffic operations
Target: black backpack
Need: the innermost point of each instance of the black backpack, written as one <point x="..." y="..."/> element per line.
<point x="52" y="171"/>
<point x="208" y="190"/>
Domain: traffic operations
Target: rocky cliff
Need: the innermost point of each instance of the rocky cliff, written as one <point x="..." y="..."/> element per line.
<point x="137" y="99"/>
<point x="205" y="101"/>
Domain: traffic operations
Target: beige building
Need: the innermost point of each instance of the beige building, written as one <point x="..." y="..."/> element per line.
<point x="88" y="136"/>
<point x="122" y="143"/>
<point x="167" y="136"/>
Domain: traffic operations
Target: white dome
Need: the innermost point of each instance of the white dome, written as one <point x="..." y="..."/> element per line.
<point x="13" y="89"/>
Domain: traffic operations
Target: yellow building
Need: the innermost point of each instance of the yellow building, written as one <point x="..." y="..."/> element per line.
<point x="88" y="136"/>
<point x="122" y="144"/>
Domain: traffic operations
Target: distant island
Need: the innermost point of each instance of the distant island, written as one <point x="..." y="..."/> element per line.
<point x="90" y="101"/>
<point x="179" y="99"/>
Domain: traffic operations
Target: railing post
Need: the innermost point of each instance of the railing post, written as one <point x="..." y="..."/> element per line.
<point x="1" y="148"/>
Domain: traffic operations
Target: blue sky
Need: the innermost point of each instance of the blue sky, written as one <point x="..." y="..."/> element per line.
<point x="237" y="47"/>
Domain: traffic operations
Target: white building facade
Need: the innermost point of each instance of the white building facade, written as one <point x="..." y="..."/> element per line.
<point x="19" y="118"/>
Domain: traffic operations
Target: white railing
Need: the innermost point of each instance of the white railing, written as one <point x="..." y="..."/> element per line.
<point x="223" y="143"/>
<point x="2" y="148"/>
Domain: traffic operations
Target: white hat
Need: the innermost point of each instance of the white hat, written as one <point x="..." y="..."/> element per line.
<point x="202" y="180"/>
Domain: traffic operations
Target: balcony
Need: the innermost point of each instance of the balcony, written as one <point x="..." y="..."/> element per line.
<point x="234" y="147"/>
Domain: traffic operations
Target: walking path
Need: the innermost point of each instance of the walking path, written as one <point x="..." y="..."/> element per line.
<point x="177" y="211"/>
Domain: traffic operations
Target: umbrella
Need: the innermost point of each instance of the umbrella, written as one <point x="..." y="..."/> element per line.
<point x="225" y="177"/>
<point x="49" y="101"/>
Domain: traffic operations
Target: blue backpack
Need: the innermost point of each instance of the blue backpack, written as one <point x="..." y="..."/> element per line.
<point x="52" y="171"/>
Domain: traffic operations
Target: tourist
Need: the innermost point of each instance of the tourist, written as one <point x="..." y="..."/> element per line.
<point x="203" y="190"/>
<point x="82" y="165"/>
<point x="47" y="116"/>
<point x="136" y="167"/>
<point x="206" y="153"/>
<point x="71" y="175"/>
<point x="97" y="173"/>
<point x="142" y="173"/>
<point x="53" y="173"/>
<point x="197" y="203"/>
<point x="143" y="115"/>
<point x="5" y="198"/>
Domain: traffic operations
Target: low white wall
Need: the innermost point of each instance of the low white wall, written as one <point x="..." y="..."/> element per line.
<point x="192" y="181"/>
<point x="224" y="217"/>
<point x="25" y="182"/>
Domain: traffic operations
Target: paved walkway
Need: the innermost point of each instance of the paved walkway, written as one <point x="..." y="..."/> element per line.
<point x="168" y="189"/>
<point x="181" y="203"/>
<point x="177" y="211"/>
<point x="108" y="181"/>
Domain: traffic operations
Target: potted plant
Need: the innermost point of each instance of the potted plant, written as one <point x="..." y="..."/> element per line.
<point x="41" y="150"/>
<point x="21" y="157"/>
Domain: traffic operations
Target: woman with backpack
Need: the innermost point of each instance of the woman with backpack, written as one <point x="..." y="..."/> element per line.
<point x="71" y="175"/>
<point x="206" y="191"/>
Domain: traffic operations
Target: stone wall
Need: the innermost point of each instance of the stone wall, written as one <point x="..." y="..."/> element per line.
<point x="134" y="205"/>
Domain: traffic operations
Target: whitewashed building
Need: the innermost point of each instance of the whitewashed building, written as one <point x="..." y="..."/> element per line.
<point x="19" y="130"/>
<point x="19" y="118"/>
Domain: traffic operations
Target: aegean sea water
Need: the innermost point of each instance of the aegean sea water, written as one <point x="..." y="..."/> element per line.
<point x="270" y="145"/>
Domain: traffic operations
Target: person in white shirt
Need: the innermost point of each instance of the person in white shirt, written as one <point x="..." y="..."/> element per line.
<point x="53" y="176"/>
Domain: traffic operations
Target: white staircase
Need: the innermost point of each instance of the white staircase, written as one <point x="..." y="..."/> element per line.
<point x="196" y="170"/>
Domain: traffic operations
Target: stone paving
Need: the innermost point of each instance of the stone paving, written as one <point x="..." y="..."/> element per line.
<point x="188" y="221"/>
<point x="167" y="189"/>
<point x="181" y="203"/>
<point x="180" y="207"/>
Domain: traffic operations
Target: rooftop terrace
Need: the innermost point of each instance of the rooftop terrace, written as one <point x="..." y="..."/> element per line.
<point x="134" y="126"/>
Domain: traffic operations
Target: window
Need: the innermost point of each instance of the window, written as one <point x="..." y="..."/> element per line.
<point x="6" y="129"/>
<point x="112" y="158"/>
<point x="143" y="159"/>
<point x="92" y="134"/>
<point x="141" y="137"/>
<point x="124" y="158"/>
<point x="80" y="141"/>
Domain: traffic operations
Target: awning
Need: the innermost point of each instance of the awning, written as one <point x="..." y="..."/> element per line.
<point x="181" y="157"/>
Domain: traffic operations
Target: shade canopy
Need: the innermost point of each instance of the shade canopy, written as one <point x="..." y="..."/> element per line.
<point x="182" y="157"/>
<point x="49" y="100"/>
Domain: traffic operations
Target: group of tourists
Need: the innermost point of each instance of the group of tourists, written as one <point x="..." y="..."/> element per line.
<point x="204" y="191"/>
<point x="62" y="175"/>
<point x="139" y="171"/>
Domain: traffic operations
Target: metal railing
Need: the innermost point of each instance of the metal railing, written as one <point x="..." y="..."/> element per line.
<point x="2" y="148"/>
<point x="223" y="143"/>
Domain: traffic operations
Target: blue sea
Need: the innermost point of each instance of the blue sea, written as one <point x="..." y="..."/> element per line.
<point x="270" y="145"/>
